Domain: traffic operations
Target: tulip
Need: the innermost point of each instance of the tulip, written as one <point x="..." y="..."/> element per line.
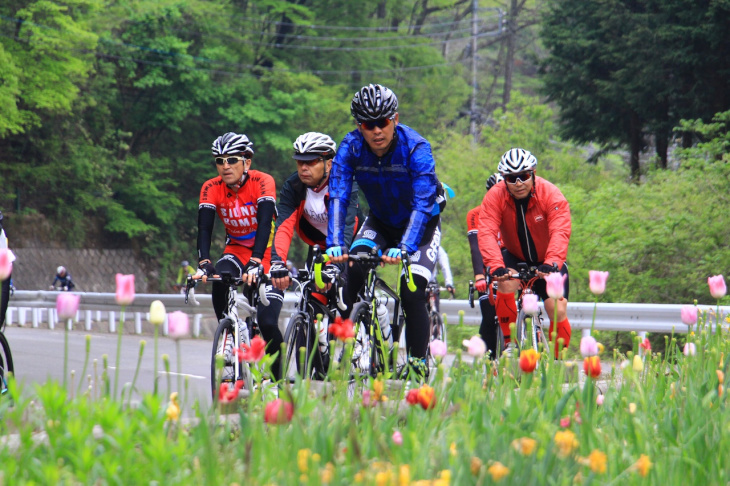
<point x="253" y="352"/>
<point x="6" y="263"/>
<point x="226" y="394"/>
<point x="530" y="304"/>
<point x="125" y="289"/>
<point x="278" y="412"/>
<point x="645" y="344"/>
<point x="528" y="360"/>
<point x="397" y="438"/>
<point x="565" y="422"/>
<point x="173" y="409"/>
<point x="643" y="465"/>
<point x="689" y="349"/>
<point x="597" y="281"/>
<point x="638" y="364"/>
<point x="588" y="346"/>
<point x="475" y="346"/>
<point x="178" y="324"/>
<point x="157" y="312"/>
<point x="342" y="329"/>
<point x="426" y="397"/>
<point x="367" y="399"/>
<point x="689" y="314"/>
<point x="438" y="348"/>
<point x="412" y="396"/>
<point x="566" y="442"/>
<point x="600" y="398"/>
<point x="718" y="289"/>
<point x="67" y="305"/>
<point x="555" y="284"/>
<point x="592" y="366"/>
<point x="498" y="471"/>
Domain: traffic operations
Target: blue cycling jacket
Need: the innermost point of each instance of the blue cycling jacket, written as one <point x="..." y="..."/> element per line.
<point x="400" y="186"/>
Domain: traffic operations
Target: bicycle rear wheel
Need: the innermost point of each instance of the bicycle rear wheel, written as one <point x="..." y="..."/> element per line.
<point x="6" y="362"/>
<point x="301" y="337"/>
<point x="232" y="370"/>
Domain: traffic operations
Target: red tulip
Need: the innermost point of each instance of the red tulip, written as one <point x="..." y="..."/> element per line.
<point x="426" y="397"/>
<point x="252" y="353"/>
<point x="592" y="366"/>
<point x="278" y="412"/>
<point x="342" y="329"/>
<point x="226" y="394"/>
<point x="412" y="396"/>
<point x="528" y="360"/>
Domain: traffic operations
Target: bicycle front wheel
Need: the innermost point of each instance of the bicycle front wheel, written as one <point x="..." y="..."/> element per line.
<point x="367" y="354"/>
<point x="232" y="370"/>
<point x="302" y="349"/>
<point x="6" y="362"/>
<point x="522" y="338"/>
<point x="438" y="331"/>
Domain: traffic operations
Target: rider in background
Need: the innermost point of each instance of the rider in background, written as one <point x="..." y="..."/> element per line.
<point x="182" y="274"/>
<point x="62" y="280"/>
<point x="533" y="218"/>
<point x="245" y="201"/>
<point x="487" y="329"/>
<point x="443" y="262"/>
<point x="5" y="285"/>
<point x="303" y="203"/>
<point x="395" y="170"/>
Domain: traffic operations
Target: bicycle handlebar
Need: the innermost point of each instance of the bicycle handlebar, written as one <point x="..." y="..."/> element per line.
<point x="471" y="293"/>
<point x="228" y="279"/>
<point x="318" y="260"/>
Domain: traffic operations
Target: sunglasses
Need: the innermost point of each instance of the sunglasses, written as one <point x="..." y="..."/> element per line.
<point x="310" y="163"/>
<point x="230" y="160"/>
<point x="370" y="125"/>
<point x="522" y="177"/>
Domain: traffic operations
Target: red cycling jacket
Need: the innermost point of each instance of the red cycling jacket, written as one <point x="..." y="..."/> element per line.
<point x="547" y="217"/>
<point x="472" y="231"/>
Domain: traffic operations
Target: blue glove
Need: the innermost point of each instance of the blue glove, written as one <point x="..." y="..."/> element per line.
<point x="335" y="251"/>
<point x="393" y="253"/>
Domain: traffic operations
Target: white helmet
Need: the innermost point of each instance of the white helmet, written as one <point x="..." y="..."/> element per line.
<point x="494" y="179"/>
<point x="232" y="143"/>
<point x="516" y="160"/>
<point x="60" y="270"/>
<point x="313" y="145"/>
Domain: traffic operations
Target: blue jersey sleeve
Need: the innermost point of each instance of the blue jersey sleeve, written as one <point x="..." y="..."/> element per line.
<point x="423" y="170"/>
<point x="340" y="190"/>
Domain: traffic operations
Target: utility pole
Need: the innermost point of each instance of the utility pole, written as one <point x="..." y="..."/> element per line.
<point x="473" y="108"/>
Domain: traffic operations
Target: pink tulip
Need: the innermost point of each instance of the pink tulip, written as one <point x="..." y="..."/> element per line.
<point x="689" y="349"/>
<point x="66" y="305"/>
<point x="397" y="438"/>
<point x="125" y="289"/>
<point x="475" y="346"/>
<point x="530" y="304"/>
<point x="278" y="412"/>
<point x="565" y="422"/>
<point x="689" y="314"/>
<point x="555" y="284"/>
<point x="597" y="281"/>
<point x="588" y="346"/>
<point x="599" y="399"/>
<point x="718" y="289"/>
<point x="6" y="263"/>
<point x="438" y="348"/>
<point x="178" y="324"/>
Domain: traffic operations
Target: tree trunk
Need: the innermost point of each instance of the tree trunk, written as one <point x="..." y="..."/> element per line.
<point x="636" y="144"/>
<point x="510" y="60"/>
<point x="662" y="145"/>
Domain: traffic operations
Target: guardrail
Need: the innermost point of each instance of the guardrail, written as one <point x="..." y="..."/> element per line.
<point x="102" y="307"/>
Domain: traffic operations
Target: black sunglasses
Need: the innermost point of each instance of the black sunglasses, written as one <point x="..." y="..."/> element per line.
<point x="370" y="125"/>
<point x="230" y="160"/>
<point x="522" y="177"/>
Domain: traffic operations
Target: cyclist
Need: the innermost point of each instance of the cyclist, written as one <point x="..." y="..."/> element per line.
<point x="6" y="284"/>
<point x="245" y="200"/>
<point x="443" y="262"/>
<point x="302" y="204"/>
<point x="182" y="274"/>
<point x="62" y="279"/>
<point x="533" y="218"/>
<point x="395" y="170"/>
<point x="487" y="329"/>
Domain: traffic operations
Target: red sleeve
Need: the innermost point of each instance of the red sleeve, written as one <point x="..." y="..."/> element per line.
<point x="472" y="220"/>
<point x="285" y="233"/>
<point x="265" y="185"/>
<point x="559" y="225"/>
<point x="209" y="193"/>
<point x="490" y="219"/>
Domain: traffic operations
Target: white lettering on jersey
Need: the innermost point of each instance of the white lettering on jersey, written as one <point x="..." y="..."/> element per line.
<point x="315" y="210"/>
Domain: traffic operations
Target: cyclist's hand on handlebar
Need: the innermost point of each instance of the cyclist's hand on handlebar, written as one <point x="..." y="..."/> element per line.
<point x="500" y="274"/>
<point x="543" y="269"/>
<point x="206" y="266"/>
<point x="481" y="284"/>
<point x="392" y="256"/>
<point x="450" y="289"/>
<point x="337" y="254"/>
<point x="329" y="274"/>
<point x="251" y="272"/>
<point x="280" y="277"/>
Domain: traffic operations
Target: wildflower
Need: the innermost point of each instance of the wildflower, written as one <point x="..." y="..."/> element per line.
<point x="178" y="324"/>
<point x="592" y="366"/>
<point x="251" y="353"/>
<point x="278" y="412"/>
<point x="226" y="394"/>
<point x="689" y="314"/>
<point x="718" y="289"/>
<point x="576" y="415"/>
<point x="524" y="445"/>
<point x="173" y="409"/>
<point x="528" y="360"/>
<point x="632" y="408"/>
<point x="157" y="312"/>
<point x="597" y="281"/>
<point x="303" y="456"/>
<point x="475" y="466"/>
<point x="475" y="346"/>
<point x="638" y="364"/>
<point x="438" y="348"/>
<point x="125" y="289"/>
<point x="555" y="283"/>
<point x="327" y="473"/>
<point x="643" y="465"/>
<point x="404" y="475"/>
<point x="397" y="438"/>
<point x="566" y="442"/>
<point x="452" y="449"/>
<point x="689" y="349"/>
<point x="426" y="397"/>
<point x="444" y="478"/>
<point x="588" y="346"/>
<point x="530" y="304"/>
<point x="599" y="399"/>
<point x="342" y="329"/>
<point x="645" y="345"/>
<point x="498" y="471"/>
<point x="6" y="263"/>
<point x="66" y="305"/>
<point x="565" y="422"/>
<point x="597" y="461"/>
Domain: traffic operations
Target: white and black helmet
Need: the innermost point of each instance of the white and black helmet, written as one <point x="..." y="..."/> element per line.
<point x="60" y="270"/>
<point x="373" y="102"/>
<point x="313" y="145"/>
<point x="493" y="179"/>
<point x="231" y="144"/>
<point x="516" y="160"/>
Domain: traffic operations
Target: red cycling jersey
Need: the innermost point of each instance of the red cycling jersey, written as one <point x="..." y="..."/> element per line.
<point x="237" y="210"/>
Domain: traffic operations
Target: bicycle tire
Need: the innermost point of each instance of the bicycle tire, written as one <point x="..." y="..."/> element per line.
<point x="6" y="362"/>
<point x="437" y="330"/>
<point x="229" y="373"/>
<point x="521" y="331"/>
<point x="500" y="341"/>
<point x="542" y="337"/>
<point x="369" y="360"/>
<point x="300" y="333"/>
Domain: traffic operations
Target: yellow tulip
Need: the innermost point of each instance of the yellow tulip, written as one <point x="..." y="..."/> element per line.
<point x="638" y="364"/>
<point x="157" y="312"/>
<point x="498" y="471"/>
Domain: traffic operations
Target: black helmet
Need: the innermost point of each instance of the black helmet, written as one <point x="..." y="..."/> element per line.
<point x="232" y="143"/>
<point x="373" y="102"/>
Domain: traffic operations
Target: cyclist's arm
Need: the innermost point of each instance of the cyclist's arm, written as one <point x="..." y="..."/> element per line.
<point x="445" y="267"/>
<point x="472" y="230"/>
<point x="288" y="213"/>
<point x="490" y="219"/>
<point x="352" y="209"/>
<point x="340" y="190"/>
<point x="424" y="183"/>
<point x="206" y="219"/>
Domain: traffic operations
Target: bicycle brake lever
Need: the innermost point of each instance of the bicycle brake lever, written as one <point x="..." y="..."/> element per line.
<point x="340" y="301"/>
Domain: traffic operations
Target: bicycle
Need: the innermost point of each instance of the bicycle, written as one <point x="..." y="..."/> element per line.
<point x="491" y="295"/>
<point x="371" y="335"/>
<point x="437" y="330"/>
<point x="307" y="328"/>
<point x="6" y="361"/>
<point x="228" y="336"/>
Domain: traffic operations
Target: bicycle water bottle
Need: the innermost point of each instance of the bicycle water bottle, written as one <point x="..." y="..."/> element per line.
<point x="384" y="320"/>
<point x="321" y="326"/>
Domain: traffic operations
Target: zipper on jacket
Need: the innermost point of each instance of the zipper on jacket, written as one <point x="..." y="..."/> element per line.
<point x="524" y="223"/>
